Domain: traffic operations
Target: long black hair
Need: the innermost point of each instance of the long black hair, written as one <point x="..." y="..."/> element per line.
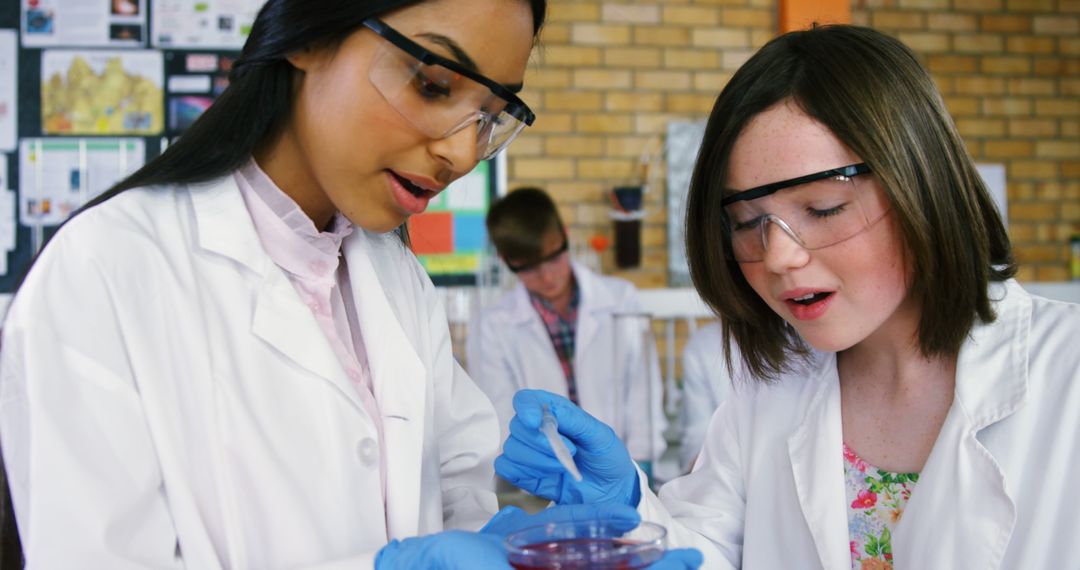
<point x="252" y="109"/>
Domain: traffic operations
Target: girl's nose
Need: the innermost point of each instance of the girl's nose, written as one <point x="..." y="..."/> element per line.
<point x="782" y="248"/>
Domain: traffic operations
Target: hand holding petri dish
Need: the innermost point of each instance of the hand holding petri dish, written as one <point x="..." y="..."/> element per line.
<point x="593" y="543"/>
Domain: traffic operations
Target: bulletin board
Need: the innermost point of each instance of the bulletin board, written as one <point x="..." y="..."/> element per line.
<point x="69" y="125"/>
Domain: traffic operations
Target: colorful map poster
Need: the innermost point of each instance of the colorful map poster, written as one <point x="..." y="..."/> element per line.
<point x="94" y="23"/>
<point x="450" y="237"/>
<point x="102" y="92"/>
<point x="203" y="24"/>
<point x="57" y="175"/>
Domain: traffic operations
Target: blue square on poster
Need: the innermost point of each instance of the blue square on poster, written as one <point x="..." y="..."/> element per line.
<point x="469" y="232"/>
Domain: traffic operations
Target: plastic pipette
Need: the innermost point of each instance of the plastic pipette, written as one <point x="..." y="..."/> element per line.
<point x="550" y="427"/>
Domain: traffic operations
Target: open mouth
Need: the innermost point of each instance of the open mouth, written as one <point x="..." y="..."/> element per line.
<point x="412" y="188"/>
<point x="812" y="298"/>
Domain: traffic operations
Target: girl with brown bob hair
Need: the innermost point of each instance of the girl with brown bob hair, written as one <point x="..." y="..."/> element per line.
<point x="898" y="399"/>
<point x="897" y="123"/>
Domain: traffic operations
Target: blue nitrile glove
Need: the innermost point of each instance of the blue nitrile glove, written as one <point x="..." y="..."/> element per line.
<point x="447" y="550"/>
<point x="608" y="473"/>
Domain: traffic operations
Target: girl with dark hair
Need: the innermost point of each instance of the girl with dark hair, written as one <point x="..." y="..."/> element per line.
<point x="227" y="360"/>
<point x="899" y="400"/>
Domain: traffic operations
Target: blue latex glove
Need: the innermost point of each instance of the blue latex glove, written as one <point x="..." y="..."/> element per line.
<point x="447" y="550"/>
<point x="608" y="473"/>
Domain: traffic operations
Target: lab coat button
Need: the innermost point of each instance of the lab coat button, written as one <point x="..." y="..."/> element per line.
<point x="368" y="450"/>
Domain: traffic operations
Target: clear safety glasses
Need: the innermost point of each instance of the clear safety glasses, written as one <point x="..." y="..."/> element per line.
<point x="816" y="210"/>
<point x="441" y="97"/>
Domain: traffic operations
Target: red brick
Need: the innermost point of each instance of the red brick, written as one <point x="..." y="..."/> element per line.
<point x="948" y="63"/>
<point x="1029" y="44"/>
<point x="1004" y="23"/>
<point x="1032" y="128"/>
<point x="1010" y="65"/>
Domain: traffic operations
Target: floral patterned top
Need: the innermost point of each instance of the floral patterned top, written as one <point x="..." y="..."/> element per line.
<point x="877" y="500"/>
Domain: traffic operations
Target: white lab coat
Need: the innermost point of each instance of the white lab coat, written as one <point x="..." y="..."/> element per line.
<point x="706" y="382"/>
<point x="508" y="349"/>
<point x="997" y="491"/>
<point x="167" y="400"/>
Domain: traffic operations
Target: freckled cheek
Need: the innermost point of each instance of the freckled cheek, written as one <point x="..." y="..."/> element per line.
<point x="755" y="275"/>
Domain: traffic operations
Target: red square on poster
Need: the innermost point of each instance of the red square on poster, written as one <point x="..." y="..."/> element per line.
<point x="432" y="232"/>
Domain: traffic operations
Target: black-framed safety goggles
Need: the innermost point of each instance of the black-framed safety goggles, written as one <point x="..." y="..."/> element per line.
<point x="440" y="96"/>
<point x="815" y="210"/>
<point x="526" y="267"/>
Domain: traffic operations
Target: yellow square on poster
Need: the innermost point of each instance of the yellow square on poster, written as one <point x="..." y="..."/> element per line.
<point x="451" y="263"/>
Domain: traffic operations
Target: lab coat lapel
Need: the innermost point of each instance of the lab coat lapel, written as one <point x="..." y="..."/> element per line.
<point x="399" y="381"/>
<point x="542" y="360"/>
<point x="287" y="324"/>
<point x="817" y="465"/>
<point x="961" y="514"/>
<point x="594" y="307"/>
<point x="280" y="317"/>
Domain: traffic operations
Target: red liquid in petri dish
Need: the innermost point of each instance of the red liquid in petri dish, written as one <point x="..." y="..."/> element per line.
<point x="582" y="553"/>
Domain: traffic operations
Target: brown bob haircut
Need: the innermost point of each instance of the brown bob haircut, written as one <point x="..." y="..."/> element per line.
<point x="872" y="93"/>
<point x="518" y="222"/>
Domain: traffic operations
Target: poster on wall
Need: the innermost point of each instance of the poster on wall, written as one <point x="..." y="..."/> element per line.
<point x="7" y="216"/>
<point x="9" y="73"/>
<point x="683" y="141"/>
<point x="203" y="24"/>
<point x="993" y="176"/>
<point x="101" y="92"/>
<point x="449" y="238"/>
<point x="192" y="82"/>
<point x="57" y="175"/>
<point x="7" y="226"/>
<point x="89" y="23"/>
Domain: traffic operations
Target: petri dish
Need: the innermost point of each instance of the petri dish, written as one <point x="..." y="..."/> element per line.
<point x="594" y="544"/>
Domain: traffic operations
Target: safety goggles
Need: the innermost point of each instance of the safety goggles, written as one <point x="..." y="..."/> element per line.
<point x="535" y="266"/>
<point x="441" y="97"/>
<point x="816" y="210"/>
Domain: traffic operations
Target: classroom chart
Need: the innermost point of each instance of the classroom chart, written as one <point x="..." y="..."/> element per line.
<point x="203" y="24"/>
<point x="9" y="73"/>
<point x="57" y="175"/>
<point x="88" y="23"/>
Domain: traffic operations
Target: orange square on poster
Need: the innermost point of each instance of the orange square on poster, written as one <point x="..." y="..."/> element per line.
<point x="432" y="232"/>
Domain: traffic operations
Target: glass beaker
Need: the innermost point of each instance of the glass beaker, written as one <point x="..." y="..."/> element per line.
<point x="574" y="545"/>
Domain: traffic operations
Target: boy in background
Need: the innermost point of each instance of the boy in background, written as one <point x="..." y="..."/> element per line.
<point x="559" y="329"/>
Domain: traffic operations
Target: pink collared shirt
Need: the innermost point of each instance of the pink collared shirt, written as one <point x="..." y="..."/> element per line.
<point x="313" y="263"/>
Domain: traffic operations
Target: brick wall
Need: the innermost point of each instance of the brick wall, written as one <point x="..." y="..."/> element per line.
<point x="1010" y="74"/>
<point x="610" y="75"/>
